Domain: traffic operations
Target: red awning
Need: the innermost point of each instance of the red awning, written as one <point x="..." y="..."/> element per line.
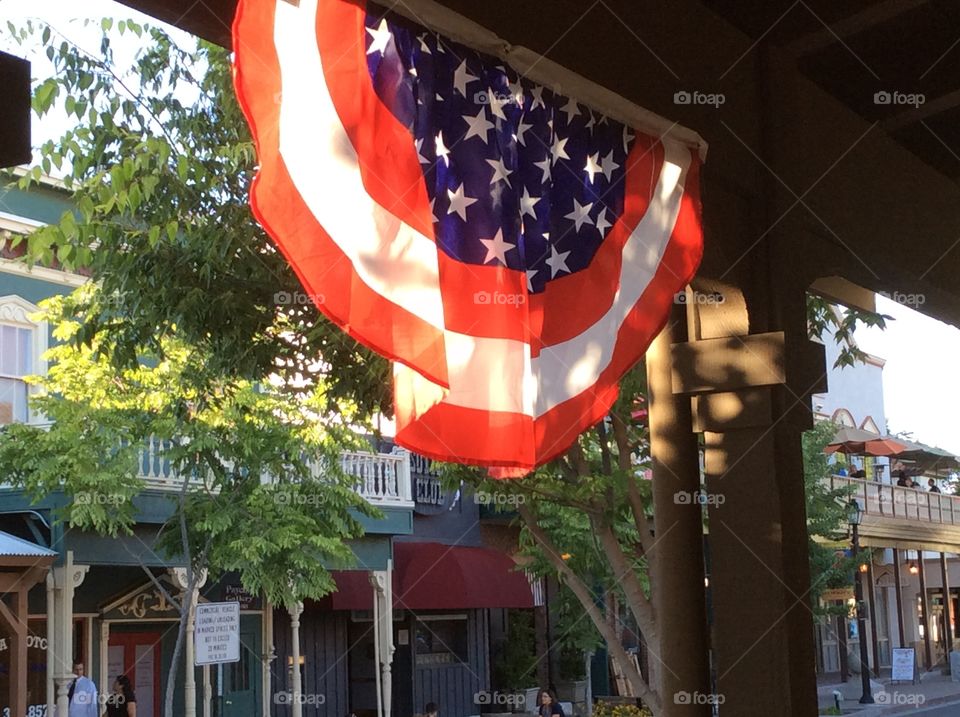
<point x="433" y="576"/>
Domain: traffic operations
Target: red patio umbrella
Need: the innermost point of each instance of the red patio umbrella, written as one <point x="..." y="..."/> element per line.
<point x="856" y="441"/>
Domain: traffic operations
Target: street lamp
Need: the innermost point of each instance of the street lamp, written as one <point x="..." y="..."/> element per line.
<point x="855" y="518"/>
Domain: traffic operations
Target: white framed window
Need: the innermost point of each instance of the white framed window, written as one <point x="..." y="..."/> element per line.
<point x="23" y="342"/>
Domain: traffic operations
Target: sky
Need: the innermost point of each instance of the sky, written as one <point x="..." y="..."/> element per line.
<point x="921" y="382"/>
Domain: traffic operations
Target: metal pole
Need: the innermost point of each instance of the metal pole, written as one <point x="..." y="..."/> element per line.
<point x="296" y="610"/>
<point x="925" y="611"/>
<point x="867" y="698"/>
<point x="874" y="618"/>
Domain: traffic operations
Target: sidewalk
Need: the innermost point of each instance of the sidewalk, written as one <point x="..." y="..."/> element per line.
<point x="933" y="688"/>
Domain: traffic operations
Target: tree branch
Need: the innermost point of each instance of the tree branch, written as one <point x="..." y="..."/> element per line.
<point x="587" y="601"/>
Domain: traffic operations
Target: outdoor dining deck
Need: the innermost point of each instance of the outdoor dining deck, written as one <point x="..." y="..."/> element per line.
<point x="893" y="501"/>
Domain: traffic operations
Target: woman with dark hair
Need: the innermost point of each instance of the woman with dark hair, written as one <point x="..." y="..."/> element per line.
<point x="547" y="704"/>
<point x="122" y="702"/>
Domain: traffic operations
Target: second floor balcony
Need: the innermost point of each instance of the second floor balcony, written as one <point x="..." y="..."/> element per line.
<point x="900" y="517"/>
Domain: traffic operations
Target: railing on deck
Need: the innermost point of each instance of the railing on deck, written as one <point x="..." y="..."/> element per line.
<point x="384" y="477"/>
<point x="894" y="501"/>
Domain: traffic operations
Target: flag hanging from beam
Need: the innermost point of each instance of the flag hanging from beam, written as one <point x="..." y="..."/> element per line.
<point x="513" y="251"/>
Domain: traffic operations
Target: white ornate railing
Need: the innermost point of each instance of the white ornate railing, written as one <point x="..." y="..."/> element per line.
<point x="894" y="501"/>
<point x="384" y="478"/>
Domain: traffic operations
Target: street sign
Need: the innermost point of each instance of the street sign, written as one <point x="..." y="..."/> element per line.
<point x="216" y="633"/>
<point x="904" y="660"/>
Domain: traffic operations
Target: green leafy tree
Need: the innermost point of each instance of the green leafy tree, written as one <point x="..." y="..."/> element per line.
<point x="192" y="332"/>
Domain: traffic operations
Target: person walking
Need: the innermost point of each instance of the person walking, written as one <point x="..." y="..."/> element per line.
<point x="82" y="695"/>
<point x="122" y="701"/>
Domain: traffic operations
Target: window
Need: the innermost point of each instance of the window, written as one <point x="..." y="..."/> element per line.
<point x="441" y="639"/>
<point x="16" y="361"/>
<point x="22" y="344"/>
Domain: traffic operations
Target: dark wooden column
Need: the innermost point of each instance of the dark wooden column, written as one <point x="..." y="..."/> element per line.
<point x="925" y="609"/>
<point x="874" y="619"/>
<point x="14" y="615"/>
<point x="947" y="607"/>
<point x="678" y="552"/>
<point x="898" y="593"/>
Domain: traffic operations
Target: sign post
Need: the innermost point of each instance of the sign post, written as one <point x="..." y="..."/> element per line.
<point x="216" y="633"/>
<point x="904" y="663"/>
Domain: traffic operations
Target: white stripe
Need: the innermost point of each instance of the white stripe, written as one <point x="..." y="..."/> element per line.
<point x="499" y="375"/>
<point x="389" y="256"/>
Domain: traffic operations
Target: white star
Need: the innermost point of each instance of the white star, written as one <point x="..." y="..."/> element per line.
<point x="413" y="71"/>
<point x="521" y="130"/>
<point x="459" y="202"/>
<point x="439" y="97"/>
<point x="557" y="262"/>
<point x="547" y="172"/>
<point x="442" y="150"/>
<point x="478" y="126"/>
<point x="381" y="38"/>
<point x="592" y="168"/>
<point x="500" y="171"/>
<point x="496" y="104"/>
<point x="527" y="204"/>
<point x="626" y="139"/>
<point x="530" y="274"/>
<point x="462" y="78"/>
<point x="432" y="213"/>
<point x="537" y="93"/>
<point x="602" y="222"/>
<point x="558" y="150"/>
<point x="497" y="248"/>
<point x="571" y="109"/>
<point x="424" y="47"/>
<point x="592" y="121"/>
<point x="609" y="165"/>
<point x="516" y="90"/>
<point x="580" y="214"/>
<point x="419" y="145"/>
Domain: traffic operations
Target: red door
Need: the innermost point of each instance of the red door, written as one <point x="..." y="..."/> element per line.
<point x="137" y="655"/>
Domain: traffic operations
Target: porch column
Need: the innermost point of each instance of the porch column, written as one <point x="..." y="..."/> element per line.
<point x="898" y="594"/>
<point x="190" y="669"/>
<point x="677" y="555"/>
<point x="296" y="707"/>
<point x="105" y="657"/>
<point x="51" y="653"/>
<point x="925" y="610"/>
<point x="67" y="578"/>
<point x="382" y="581"/>
<point x="268" y="656"/>
<point x="947" y="608"/>
<point x="15" y="619"/>
<point x="874" y="619"/>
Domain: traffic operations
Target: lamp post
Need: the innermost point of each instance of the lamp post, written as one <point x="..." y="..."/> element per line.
<point x="855" y="518"/>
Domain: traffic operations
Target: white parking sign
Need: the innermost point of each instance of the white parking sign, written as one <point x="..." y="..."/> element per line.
<point x="216" y="633"/>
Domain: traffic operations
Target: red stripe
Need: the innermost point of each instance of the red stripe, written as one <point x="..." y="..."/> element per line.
<point x="388" y="159"/>
<point x="472" y="436"/>
<point x="322" y="267"/>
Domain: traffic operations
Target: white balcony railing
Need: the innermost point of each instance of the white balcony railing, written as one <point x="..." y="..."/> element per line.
<point x="894" y="501"/>
<point x="384" y="478"/>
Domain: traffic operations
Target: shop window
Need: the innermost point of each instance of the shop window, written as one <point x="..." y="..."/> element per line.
<point x="441" y="640"/>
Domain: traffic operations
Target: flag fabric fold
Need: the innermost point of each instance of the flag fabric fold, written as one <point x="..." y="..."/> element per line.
<point x="512" y="251"/>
